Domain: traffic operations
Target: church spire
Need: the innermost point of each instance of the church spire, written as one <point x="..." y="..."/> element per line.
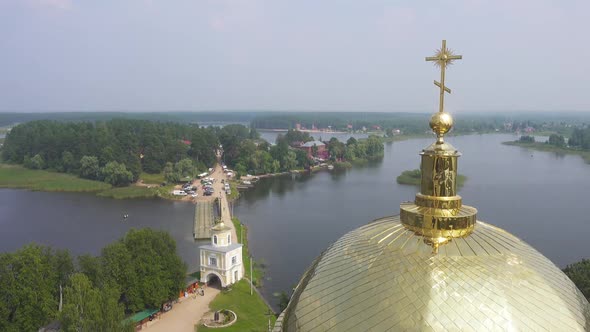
<point x="437" y="213"/>
<point x="442" y="122"/>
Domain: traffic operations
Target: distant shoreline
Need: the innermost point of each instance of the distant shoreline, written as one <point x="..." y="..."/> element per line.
<point x="541" y="146"/>
<point x="276" y="130"/>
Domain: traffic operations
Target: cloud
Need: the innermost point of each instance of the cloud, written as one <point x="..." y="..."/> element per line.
<point x="53" y="4"/>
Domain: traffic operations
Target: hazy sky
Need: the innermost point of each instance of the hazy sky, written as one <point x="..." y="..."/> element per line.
<point x="159" y="55"/>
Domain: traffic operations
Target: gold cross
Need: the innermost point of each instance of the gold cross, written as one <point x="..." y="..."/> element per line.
<point x="443" y="58"/>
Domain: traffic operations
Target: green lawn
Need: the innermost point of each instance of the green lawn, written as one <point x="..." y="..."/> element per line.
<point x="246" y="253"/>
<point x="414" y="177"/>
<point x="14" y="176"/>
<point x="130" y="192"/>
<point x="152" y="178"/>
<point x="250" y="309"/>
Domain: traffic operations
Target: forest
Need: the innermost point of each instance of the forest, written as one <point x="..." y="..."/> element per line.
<point x="141" y="270"/>
<point x="114" y="151"/>
<point x="119" y="150"/>
<point x="580" y="138"/>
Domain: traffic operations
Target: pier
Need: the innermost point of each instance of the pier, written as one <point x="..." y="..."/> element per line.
<point x="204" y="220"/>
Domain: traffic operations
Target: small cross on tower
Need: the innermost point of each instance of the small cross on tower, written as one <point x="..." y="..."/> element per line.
<point x="443" y="58"/>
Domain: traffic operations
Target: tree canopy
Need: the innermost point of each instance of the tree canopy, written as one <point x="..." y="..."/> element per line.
<point x="87" y="148"/>
<point x="579" y="273"/>
<point x="142" y="270"/>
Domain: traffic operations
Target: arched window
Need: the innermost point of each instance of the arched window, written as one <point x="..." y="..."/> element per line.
<point x="214" y="239"/>
<point x="228" y="239"/>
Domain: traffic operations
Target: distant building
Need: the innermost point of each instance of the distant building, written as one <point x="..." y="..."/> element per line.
<point x="222" y="259"/>
<point x="298" y="126"/>
<point x="322" y="152"/>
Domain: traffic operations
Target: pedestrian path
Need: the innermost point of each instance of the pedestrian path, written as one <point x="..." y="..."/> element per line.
<point x="185" y="314"/>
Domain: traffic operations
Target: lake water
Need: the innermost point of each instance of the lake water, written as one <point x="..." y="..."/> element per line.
<point x="538" y="196"/>
<point x="85" y="223"/>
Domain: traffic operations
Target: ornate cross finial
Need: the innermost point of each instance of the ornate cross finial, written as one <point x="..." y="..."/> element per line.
<point x="443" y="58"/>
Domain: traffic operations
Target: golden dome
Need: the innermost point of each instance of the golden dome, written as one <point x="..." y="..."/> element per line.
<point x="434" y="267"/>
<point x="441" y="123"/>
<point x="383" y="277"/>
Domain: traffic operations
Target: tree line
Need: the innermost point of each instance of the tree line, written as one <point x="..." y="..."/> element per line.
<point x="247" y="154"/>
<point x="356" y="150"/>
<point x="141" y="270"/>
<point x="580" y="138"/>
<point x="114" y="151"/>
<point x="117" y="151"/>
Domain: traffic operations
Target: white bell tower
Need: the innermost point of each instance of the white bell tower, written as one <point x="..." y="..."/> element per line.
<point x="222" y="259"/>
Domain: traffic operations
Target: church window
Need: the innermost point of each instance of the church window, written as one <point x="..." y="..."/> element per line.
<point x="234" y="260"/>
<point x="212" y="261"/>
<point x="228" y="238"/>
<point x="214" y="239"/>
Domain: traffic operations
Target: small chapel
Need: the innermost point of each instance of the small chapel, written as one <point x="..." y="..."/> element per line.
<point x="222" y="259"/>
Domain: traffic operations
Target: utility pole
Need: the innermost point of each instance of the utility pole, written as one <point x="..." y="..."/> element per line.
<point x="251" y="276"/>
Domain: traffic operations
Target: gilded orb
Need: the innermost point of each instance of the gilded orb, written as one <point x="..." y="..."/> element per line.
<point x="441" y="123"/>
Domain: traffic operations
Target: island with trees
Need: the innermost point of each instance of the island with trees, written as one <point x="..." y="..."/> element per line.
<point x="578" y="143"/>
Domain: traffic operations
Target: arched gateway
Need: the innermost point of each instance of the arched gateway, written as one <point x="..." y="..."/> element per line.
<point x="213" y="278"/>
<point x="221" y="259"/>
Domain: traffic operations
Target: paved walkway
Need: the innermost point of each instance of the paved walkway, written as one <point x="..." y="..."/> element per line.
<point x="204" y="220"/>
<point x="184" y="315"/>
<point x="220" y="193"/>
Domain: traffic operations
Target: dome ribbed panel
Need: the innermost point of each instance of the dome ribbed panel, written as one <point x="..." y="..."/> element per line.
<point x="383" y="277"/>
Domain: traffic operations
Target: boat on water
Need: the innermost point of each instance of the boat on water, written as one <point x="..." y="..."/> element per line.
<point x="330" y="167"/>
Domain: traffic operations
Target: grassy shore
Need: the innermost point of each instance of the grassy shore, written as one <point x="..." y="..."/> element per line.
<point x="129" y="192"/>
<point x="414" y="177"/>
<point x="14" y="176"/>
<point x="539" y="146"/>
<point x="152" y="178"/>
<point x="242" y="231"/>
<point x="251" y="309"/>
